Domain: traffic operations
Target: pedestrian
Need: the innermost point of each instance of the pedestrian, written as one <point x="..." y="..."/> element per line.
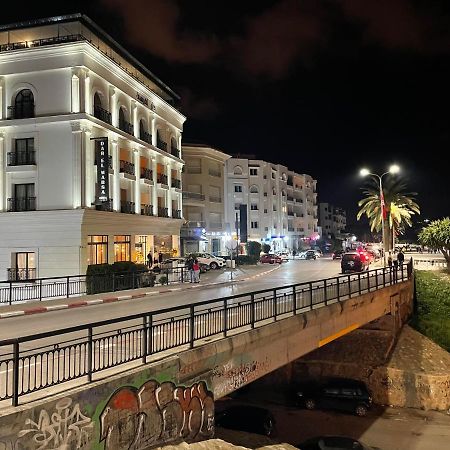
<point x="294" y="252"/>
<point x="395" y="266"/>
<point x="160" y="258"/>
<point x="149" y="260"/>
<point x="389" y="260"/>
<point x="190" y="268"/>
<point x="400" y="258"/>
<point x="196" y="268"/>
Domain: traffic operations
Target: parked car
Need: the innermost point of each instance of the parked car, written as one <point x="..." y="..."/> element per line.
<point x="283" y="255"/>
<point x="270" y="258"/>
<point x="252" y="419"/>
<point x="309" y="254"/>
<point x="214" y="262"/>
<point x="337" y="254"/>
<point x="354" y="262"/>
<point x="318" y="252"/>
<point x="337" y="393"/>
<point x="333" y="443"/>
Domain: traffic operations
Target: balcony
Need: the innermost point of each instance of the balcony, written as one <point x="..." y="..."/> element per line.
<point x="193" y="196"/>
<point x="146" y="137"/>
<point x="196" y="224"/>
<point x="175" y="152"/>
<point x="215" y="199"/>
<point x="290" y="199"/>
<point x="15" y="274"/>
<point x="215" y="225"/>
<point x="162" y="178"/>
<point x="146" y="173"/>
<point x="22" y="158"/>
<point x="291" y="213"/>
<point x="25" y="112"/>
<point x="176" y="213"/>
<point x="163" y="212"/>
<point x="176" y="183"/>
<point x="126" y="167"/>
<point x="105" y="206"/>
<point x="127" y="127"/>
<point x="22" y="204"/>
<point x="214" y="173"/>
<point x="102" y="114"/>
<point x="147" y="210"/>
<point x="161" y="145"/>
<point x="290" y="229"/>
<point x="127" y="207"/>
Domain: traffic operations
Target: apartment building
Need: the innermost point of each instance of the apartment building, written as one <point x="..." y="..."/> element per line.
<point x="204" y="200"/>
<point x="281" y="204"/>
<point x="332" y="220"/>
<point x="90" y="161"/>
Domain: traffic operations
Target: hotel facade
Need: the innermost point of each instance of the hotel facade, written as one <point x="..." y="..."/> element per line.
<point x="90" y="159"/>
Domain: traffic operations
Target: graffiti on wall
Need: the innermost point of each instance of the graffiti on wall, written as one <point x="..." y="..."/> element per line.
<point x="228" y="378"/>
<point x="135" y="418"/>
<point x="65" y="427"/>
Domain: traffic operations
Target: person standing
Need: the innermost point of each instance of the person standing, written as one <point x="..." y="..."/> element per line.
<point x="190" y="268"/>
<point x="149" y="260"/>
<point x="400" y="258"/>
<point x="389" y="260"/>
<point x="160" y="258"/>
<point x="395" y="265"/>
<point x="196" y="269"/>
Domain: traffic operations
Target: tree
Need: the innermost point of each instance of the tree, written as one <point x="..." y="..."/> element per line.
<point x="399" y="207"/>
<point x="437" y="235"/>
<point x="253" y="248"/>
<point x="266" y="248"/>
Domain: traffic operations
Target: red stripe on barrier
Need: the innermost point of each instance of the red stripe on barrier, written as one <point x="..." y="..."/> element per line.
<point x="35" y="310"/>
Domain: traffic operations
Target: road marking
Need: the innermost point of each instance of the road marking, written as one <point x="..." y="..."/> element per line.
<point x="338" y="334"/>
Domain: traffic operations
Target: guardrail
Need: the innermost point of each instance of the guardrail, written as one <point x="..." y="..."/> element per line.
<point x="72" y="286"/>
<point x="32" y="363"/>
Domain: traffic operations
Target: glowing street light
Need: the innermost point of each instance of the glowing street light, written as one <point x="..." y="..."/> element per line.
<point x="393" y="169"/>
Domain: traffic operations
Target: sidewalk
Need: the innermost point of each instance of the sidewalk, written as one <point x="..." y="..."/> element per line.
<point x="239" y="274"/>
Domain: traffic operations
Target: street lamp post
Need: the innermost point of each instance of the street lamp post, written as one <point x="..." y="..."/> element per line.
<point x="392" y="170"/>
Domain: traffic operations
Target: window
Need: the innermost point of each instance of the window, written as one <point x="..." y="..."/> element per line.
<point x="265" y="210"/>
<point x="98" y="249"/>
<point x="23" y="153"/>
<point x="122" y="248"/>
<point x="237" y="188"/>
<point x="266" y="228"/>
<point x="193" y="165"/>
<point x="23" y="266"/>
<point x="254" y="207"/>
<point x="24" y="104"/>
<point x="236" y="206"/>
<point x="237" y="170"/>
<point x="254" y="224"/>
<point x="253" y="172"/>
<point x="24" y="199"/>
<point x="265" y="194"/>
<point x="274" y="192"/>
<point x="253" y="189"/>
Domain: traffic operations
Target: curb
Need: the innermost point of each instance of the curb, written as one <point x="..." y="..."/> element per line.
<point x="98" y="301"/>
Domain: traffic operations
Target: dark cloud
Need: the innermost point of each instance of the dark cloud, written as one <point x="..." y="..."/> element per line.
<point x="196" y="107"/>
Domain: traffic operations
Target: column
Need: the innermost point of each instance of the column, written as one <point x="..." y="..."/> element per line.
<point x="169" y="192"/>
<point x="87" y="93"/>
<point x="75" y="107"/>
<point x="89" y="189"/>
<point x="133" y="118"/>
<point x="153" y="129"/>
<point x="176" y="244"/>
<point x="78" y="181"/>
<point x="154" y="190"/>
<point x="113" y="105"/>
<point x="116" y="176"/>
<point x="2" y="173"/>
<point x="179" y="146"/>
<point x="137" y="183"/>
<point x="2" y="99"/>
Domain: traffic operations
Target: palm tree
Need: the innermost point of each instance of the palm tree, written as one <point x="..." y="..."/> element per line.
<point x="399" y="207"/>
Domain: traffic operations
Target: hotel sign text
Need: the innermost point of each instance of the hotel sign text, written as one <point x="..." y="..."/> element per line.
<point x="102" y="159"/>
<point x="144" y="101"/>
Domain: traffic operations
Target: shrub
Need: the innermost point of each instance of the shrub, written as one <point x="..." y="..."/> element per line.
<point x="247" y="259"/>
<point x="254" y="248"/>
<point x="163" y="280"/>
<point x="266" y="248"/>
<point x="98" y="278"/>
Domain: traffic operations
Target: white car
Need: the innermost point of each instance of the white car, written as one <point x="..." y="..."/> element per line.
<point x="283" y="255"/>
<point x="214" y="262"/>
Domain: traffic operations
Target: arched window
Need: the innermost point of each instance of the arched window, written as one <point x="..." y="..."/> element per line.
<point x="97" y="101"/>
<point x="173" y="147"/>
<point x="274" y="192"/>
<point x="238" y="170"/>
<point x="24" y="104"/>
<point x="283" y="193"/>
<point x="159" y="142"/>
<point x="122" y="119"/>
<point x="141" y="130"/>
<point x="253" y="189"/>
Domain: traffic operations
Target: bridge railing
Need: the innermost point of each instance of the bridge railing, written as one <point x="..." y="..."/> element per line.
<point x="37" y="362"/>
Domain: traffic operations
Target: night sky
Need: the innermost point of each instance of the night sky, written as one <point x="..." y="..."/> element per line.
<point x="325" y="87"/>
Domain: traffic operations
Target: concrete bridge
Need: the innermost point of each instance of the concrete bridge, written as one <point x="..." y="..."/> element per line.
<point x="229" y="343"/>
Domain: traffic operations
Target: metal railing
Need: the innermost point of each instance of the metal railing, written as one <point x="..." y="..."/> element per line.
<point x="59" y="356"/>
<point x="127" y="127"/>
<point x="147" y="173"/>
<point x="105" y="206"/>
<point x="163" y="212"/>
<point x="21" y="204"/>
<point x="176" y="213"/>
<point x="193" y="196"/>
<point x="214" y="173"/>
<point x="41" y="42"/>
<point x="176" y="183"/>
<point x="146" y="137"/>
<point x="15" y="274"/>
<point x="162" y="145"/>
<point x="161" y="178"/>
<point x="25" y="112"/>
<point x="102" y="114"/>
<point x="127" y="167"/>
<point x="147" y="210"/>
<point x="127" y="207"/>
<point x="175" y="152"/>
<point x="22" y="158"/>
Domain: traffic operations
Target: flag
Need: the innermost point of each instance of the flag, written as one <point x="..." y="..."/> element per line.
<point x="383" y="206"/>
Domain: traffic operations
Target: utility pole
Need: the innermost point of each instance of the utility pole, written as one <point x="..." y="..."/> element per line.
<point x="237" y="236"/>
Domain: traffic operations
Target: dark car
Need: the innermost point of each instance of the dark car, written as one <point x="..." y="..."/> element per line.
<point x="308" y="254"/>
<point x="333" y="443"/>
<point x="338" y="254"/>
<point x="270" y="258"/>
<point x="354" y="262"/>
<point x="338" y="393"/>
<point x="252" y="419"/>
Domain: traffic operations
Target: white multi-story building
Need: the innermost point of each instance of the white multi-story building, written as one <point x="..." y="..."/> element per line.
<point x="66" y="89"/>
<point x="281" y="204"/>
<point x="204" y="200"/>
<point x="332" y="220"/>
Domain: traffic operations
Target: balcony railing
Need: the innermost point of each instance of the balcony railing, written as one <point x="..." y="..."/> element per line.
<point x="15" y="274"/>
<point x="22" y="204"/>
<point x="215" y="225"/>
<point x="215" y="199"/>
<point x="196" y="224"/>
<point x="102" y="114"/>
<point x="176" y="213"/>
<point x="146" y="137"/>
<point x="127" y="207"/>
<point x="193" y="196"/>
<point x="22" y="158"/>
<point x="126" y="126"/>
<point x="161" y="145"/>
<point x="176" y="183"/>
<point x="105" y="206"/>
<point x="163" y="212"/>
<point x="162" y="179"/>
<point x="41" y="42"/>
<point x="25" y="112"/>
<point x="290" y="229"/>
<point x="146" y="173"/>
<point x="291" y="213"/>
<point x="147" y="210"/>
<point x="290" y="199"/>
<point x="127" y="167"/>
<point x="214" y="173"/>
<point x="175" y="152"/>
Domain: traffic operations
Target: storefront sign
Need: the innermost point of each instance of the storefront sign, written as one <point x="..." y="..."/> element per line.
<point x="101" y="157"/>
<point x="144" y="101"/>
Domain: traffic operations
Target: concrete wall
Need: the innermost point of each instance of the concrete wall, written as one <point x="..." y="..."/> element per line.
<point x="173" y="399"/>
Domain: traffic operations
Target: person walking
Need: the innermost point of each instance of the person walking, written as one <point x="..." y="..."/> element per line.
<point x="149" y="260"/>
<point x="400" y="258"/>
<point x="196" y="268"/>
<point x="190" y="268"/>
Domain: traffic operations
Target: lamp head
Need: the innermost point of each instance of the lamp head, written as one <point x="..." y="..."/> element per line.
<point x="364" y="172"/>
<point x="394" y="169"/>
